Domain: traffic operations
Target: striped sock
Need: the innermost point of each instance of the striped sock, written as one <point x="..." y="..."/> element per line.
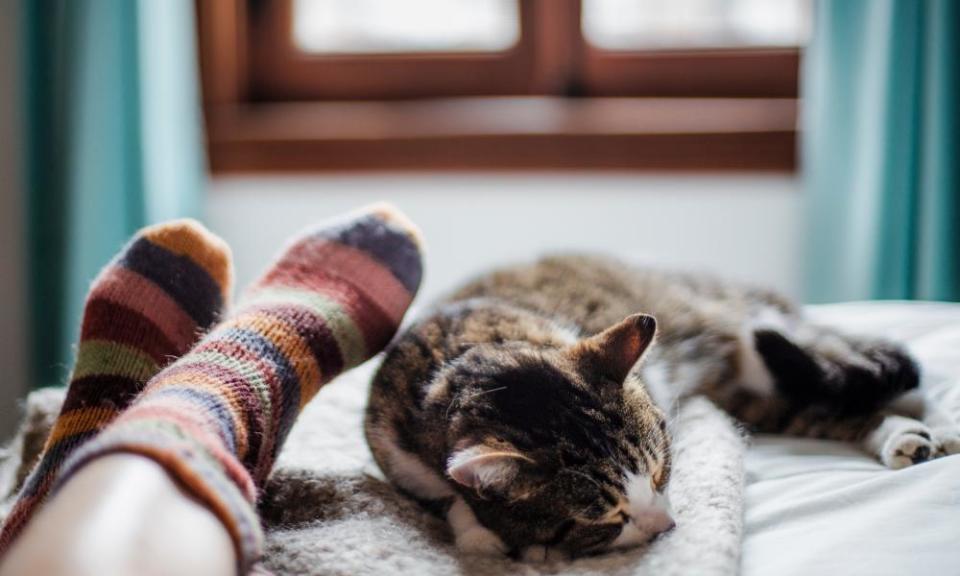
<point x="146" y="307"/>
<point x="218" y="416"/>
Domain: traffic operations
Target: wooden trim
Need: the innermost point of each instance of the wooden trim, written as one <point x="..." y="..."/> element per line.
<point x="554" y="26"/>
<point x="222" y="40"/>
<point x="279" y="71"/>
<point x="507" y="133"/>
<point x="551" y="58"/>
<point x="763" y="73"/>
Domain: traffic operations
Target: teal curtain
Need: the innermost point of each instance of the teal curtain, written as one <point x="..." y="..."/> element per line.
<point x="880" y="151"/>
<point x="114" y="143"/>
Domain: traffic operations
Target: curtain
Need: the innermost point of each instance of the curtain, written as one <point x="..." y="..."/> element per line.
<point x="880" y="150"/>
<point x="113" y="143"/>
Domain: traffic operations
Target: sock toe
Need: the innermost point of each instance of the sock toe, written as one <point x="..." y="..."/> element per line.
<point x="189" y="238"/>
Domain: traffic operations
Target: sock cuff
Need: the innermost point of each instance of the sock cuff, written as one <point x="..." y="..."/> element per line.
<point x="218" y="481"/>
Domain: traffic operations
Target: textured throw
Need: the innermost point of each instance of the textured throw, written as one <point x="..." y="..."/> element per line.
<point x="146" y="307"/>
<point x="328" y="512"/>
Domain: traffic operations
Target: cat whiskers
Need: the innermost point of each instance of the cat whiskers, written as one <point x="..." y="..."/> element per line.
<point x="674" y="422"/>
<point x="485" y="392"/>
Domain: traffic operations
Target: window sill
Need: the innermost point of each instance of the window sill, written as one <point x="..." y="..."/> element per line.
<point x="509" y="133"/>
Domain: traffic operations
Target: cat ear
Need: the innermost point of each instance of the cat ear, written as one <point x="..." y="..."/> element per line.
<point x="485" y="468"/>
<point x="615" y="350"/>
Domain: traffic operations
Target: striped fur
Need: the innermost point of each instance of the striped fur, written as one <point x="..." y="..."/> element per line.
<point x="218" y="416"/>
<point x="519" y="409"/>
<point x="148" y="306"/>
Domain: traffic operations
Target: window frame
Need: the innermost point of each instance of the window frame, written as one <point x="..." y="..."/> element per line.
<point x="718" y="73"/>
<point x="546" y="103"/>
<point x="280" y="71"/>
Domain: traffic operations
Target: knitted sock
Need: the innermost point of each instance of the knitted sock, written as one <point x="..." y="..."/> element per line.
<point x="146" y="307"/>
<point x="217" y="417"/>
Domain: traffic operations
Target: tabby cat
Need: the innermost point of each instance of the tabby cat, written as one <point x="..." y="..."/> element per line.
<point x="520" y="409"/>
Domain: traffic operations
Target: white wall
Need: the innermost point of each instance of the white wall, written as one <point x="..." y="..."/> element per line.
<point x="13" y="344"/>
<point x="742" y="226"/>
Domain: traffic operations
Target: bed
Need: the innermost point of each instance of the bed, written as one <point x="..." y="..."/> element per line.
<point x="768" y="505"/>
<point x="807" y="506"/>
<point x="815" y="507"/>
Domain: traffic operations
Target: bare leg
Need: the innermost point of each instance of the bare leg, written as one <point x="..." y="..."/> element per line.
<point x="122" y="514"/>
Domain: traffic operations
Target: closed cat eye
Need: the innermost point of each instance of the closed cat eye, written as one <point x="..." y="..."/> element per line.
<point x="562" y="531"/>
<point x="597" y="536"/>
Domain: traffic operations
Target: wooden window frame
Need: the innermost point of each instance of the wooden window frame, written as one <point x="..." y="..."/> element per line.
<point x="280" y="71"/>
<point x="545" y="103"/>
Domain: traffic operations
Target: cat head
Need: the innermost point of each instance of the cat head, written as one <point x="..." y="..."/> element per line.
<point x="561" y="446"/>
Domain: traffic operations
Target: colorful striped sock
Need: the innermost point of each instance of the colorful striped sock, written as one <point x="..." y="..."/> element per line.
<point x="146" y="307"/>
<point x="218" y="416"/>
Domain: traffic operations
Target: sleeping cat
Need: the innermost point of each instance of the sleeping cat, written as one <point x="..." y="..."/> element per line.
<point x="520" y="409"/>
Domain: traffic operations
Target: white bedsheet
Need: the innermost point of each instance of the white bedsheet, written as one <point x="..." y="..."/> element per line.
<point x="815" y="507"/>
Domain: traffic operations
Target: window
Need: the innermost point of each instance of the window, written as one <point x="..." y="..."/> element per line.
<point x="628" y="25"/>
<point x="638" y="84"/>
<point x="383" y="27"/>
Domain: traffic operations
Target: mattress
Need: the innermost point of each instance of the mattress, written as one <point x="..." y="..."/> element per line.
<point x="817" y="507"/>
<point x="811" y="507"/>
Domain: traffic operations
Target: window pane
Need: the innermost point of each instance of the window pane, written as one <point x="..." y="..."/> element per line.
<point x="391" y="26"/>
<point x="639" y="24"/>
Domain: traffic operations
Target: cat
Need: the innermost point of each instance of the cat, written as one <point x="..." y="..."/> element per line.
<point x="530" y="406"/>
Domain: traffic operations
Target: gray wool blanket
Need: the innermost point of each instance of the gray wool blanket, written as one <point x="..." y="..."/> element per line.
<point x="328" y="510"/>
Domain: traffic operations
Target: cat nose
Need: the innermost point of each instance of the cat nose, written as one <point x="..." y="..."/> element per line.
<point x="659" y="521"/>
<point x="661" y="515"/>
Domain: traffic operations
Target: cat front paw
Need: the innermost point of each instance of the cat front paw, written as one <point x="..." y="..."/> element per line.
<point x="479" y="541"/>
<point x="908" y="447"/>
<point x="540" y="553"/>
<point x="469" y="535"/>
<point x="947" y="440"/>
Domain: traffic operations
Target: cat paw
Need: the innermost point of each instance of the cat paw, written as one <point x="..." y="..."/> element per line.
<point x="947" y="440"/>
<point x="538" y="553"/>
<point x="480" y="541"/>
<point x="470" y="536"/>
<point x="909" y="447"/>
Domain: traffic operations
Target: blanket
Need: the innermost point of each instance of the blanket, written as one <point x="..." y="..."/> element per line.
<point x="328" y="510"/>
